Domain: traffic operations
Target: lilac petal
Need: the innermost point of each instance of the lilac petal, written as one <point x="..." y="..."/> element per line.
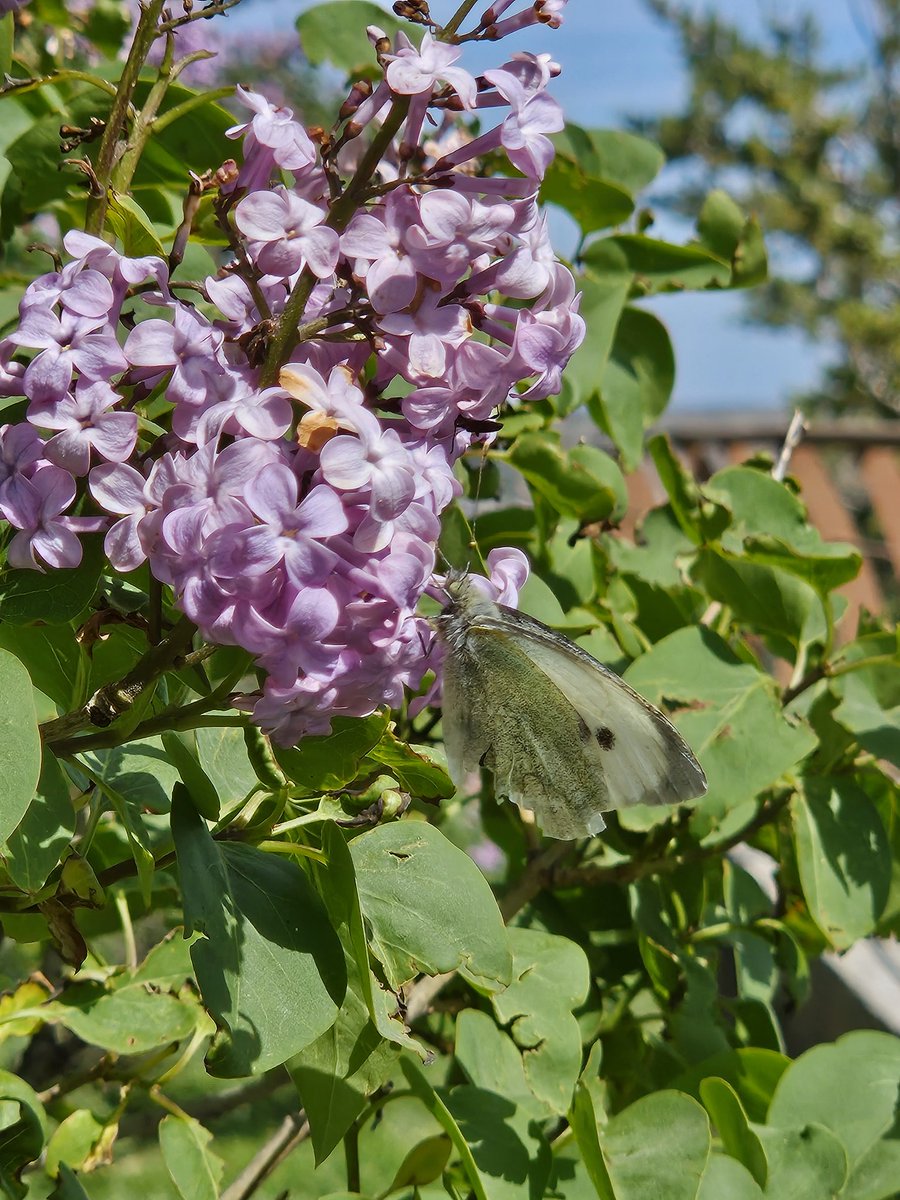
<point x="91" y="295"/>
<point x="344" y="464"/>
<point x="183" y="530"/>
<point x="151" y="344"/>
<point x="48" y="376"/>
<point x="393" y="491"/>
<point x="314" y="612"/>
<point x="366" y="237"/>
<point x="70" y="450"/>
<point x="281" y="259"/>
<point x="21" y="505"/>
<point x="57" y="489"/>
<point x="308" y="562"/>
<point x="391" y="283"/>
<point x="115" y="435"/>
<point x="57" y="546"/>
<point x="20" y="554"/>
<point x="267" y="420"/>
<point x="272" y="495"/>
<point x="247" y="553"/>
<point x="262" y="216"/>
<point x="99" y="356"/>
<point x="321" y="513"/>
<point x="118" y="489"/>
<point x="321" y="247"/>
<point x="373" y="535"/>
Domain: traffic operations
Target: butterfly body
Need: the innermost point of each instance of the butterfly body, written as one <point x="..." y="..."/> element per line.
<point x="563" y="736"/>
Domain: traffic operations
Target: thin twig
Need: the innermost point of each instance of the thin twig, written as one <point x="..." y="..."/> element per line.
<point x="792" y="438"/>
<point x="293" y="1130"/>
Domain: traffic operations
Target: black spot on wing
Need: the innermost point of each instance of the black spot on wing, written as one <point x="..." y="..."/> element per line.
<point x="605" y="738"/>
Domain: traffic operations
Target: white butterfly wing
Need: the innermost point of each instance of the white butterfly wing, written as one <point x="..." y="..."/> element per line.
<point x="645" y="759"/>
<point x="564" y="736"/>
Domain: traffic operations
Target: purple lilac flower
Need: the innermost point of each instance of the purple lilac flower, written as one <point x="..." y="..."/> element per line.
<point x="36" y="510"/>
<point x="271" y="138"/>
<point x="87" y="424"/>
<point x="287" y="233"/>
<point x="294" y="520"/>
<point x="290" y="530"/>
<point x="67" y="342"/>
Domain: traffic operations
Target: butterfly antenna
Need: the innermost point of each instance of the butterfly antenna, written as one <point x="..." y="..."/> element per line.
<point x="474" y="549"/>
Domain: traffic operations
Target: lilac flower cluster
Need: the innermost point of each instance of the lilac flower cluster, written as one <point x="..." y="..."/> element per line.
<point x="300" y="520"/>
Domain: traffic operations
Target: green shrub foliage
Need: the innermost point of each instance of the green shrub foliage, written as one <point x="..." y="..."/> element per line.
<point x="234" y="970"/>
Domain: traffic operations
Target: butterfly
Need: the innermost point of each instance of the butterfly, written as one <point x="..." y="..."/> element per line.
<point x="562" y="735"/>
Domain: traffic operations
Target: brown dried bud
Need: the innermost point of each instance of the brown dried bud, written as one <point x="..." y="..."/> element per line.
<point x="227" y="174"/>
<point x="315" y="429"/>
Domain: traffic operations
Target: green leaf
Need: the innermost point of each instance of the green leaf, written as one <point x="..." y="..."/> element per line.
<point x="20" y="743"/>
<point x="804" y="1164"/>
<point x="132" y="227"/>
<point x="137" y="833"/>
<point x="653" y="266"/>
<point x="130" y="1019"/>
<point x="731" y="236"/>
<point x="662" y="542"/>
<point x="7" y="38"/>
<point x="36" y="845"/>
<point x="200" y="787"/>
<point x="423" y="1090"/>
<point x="583" y="1121"/>
<point x="338" y="887"/>
<point x="57" y="596"/>
<point x="752" y="1072"/>
<point x="738" y="1138"/>
<point x="870" y="696"/>
<point x="576" y="181"/>
<point x="622" y="158"/>
<point x="68" y="1186"/>
<point x="657" y="1146"/>
<point x="550" y="978"/>
<point x="843" y="857"/>
<point x="725" y="1179"/>
<point x="335" y="33"/>
<point x="328" y="763"/>
<point x="196" y="137"/>
<point x="699" y="517"/>
<point x="223" y="756"/>
<point x="414" y="768"/>
<point x="141" y="772"/>
<point x="850" y="1087"/>
<point x="195" y="1170"/>
<point x="73" y="1141"/>
<point x="423" y="1164"/>
<point x="766" y="598"/>
<point x="52" y="656"/>
<point x="602" y="301"/>
<point x="492" y="1062"/>
<point x="834" y="565"/>
<point x="636" y="383"/>
<point x="429" y="907"/>
<point x="733" y="710"/>
<point x="337" y="1073"/>
<point x="583" y="483"/>
<point x="23" y="1132"/>
<point x="266" y="936"/>
<point x="506" y="1142"/>
<point x="770" y="525"/>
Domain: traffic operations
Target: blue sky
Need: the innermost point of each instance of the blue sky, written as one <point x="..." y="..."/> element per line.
<point x="617" y="58"/>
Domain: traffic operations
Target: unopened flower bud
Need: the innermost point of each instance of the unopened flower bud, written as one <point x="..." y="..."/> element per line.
<point x="359" y="92"/>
